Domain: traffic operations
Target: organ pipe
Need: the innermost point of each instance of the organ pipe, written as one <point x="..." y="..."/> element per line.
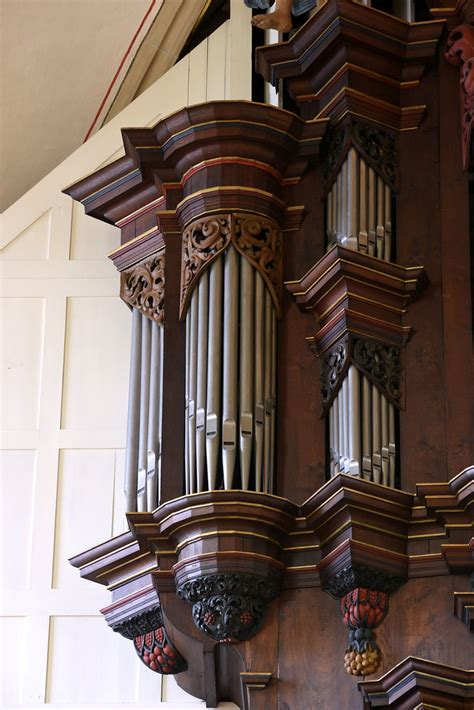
<point x="236" y="355"/>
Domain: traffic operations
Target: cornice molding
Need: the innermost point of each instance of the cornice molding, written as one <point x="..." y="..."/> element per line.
<point x="352" y="59"/>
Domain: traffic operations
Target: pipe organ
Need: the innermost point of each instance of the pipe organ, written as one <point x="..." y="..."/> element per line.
<point x="230" y="378"/>
<point x="361" y="419"/>
<point x="262" y="482"/>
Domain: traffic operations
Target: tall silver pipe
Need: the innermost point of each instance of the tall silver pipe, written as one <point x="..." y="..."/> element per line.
<point x="388" y="223"/>
<point x="144" y="414"/>
<point x="344" y="201"/>
<point x="341" y="438"/>
<point x="339" y="206"/>
<point x="385" y="439"/>
<point x="229" y="408"/>
<point x="186" y="404"/>
<point x="363" y="234"/>
<point x="346" y="412"/>
<point x="258" y="376"/>
<point x="352" y="198"/>
<point x="246" y="369"/>
<point x="366" y="429"/>
<point x="372" y="214"/>
<point x="380" y="231"/>
<point x="392" y="450"/>
<point x="267" y="379"/>
<point x="161" y="331"/>
<point x="329" y="223"/>
<point x="335" y="414"/>
<point x="353" y="384"/>
<point x="153" y="420"/>
<point x="273" y="399"/>
<point x="193" y="347"/>
<point x="376" y="436"/>
<point x="201" y="378"/>
<point x="214" y="371"/>
<point x="133" y="421"/>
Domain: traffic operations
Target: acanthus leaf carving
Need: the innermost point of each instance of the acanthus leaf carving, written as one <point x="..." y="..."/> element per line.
<point x="257" y="238"/>
<point x="333" y="367"/>
<point x="143" y="287"/>
<point x="382" y="364"/>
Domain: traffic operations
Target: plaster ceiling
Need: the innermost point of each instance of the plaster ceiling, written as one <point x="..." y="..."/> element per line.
<point x="58" y="58"/>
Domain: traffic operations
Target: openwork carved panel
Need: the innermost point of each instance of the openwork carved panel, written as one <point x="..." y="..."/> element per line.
<point x="203" y="240"/>
<point x="376" y="145"/>
<point x="382" y="364"/>
<point x="333" y="367"/>
<point x="143" y="287"/>
<point x="257" y="238"/>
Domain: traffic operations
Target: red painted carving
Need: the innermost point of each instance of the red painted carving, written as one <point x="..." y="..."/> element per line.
<point x="363" y="610"/>
<point x="460" y="51"/>
<point x="158" y="653"/>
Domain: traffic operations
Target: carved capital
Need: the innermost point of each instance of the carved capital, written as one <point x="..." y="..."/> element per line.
<point x="257" y="238"/>
<point x="229" y="607"/>
<point x="143" y="287"/>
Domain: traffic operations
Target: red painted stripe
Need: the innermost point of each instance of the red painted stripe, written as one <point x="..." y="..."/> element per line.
<point x="107" y="94"/>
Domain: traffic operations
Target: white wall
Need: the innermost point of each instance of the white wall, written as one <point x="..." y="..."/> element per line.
<point x="65" y="354"/>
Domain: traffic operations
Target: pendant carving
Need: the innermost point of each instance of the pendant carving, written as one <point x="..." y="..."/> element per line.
<point x="151" y="642"/>
<point x="229" y="607"/>
<point x="143" y="287"/>
<point x="363" y="610"/>
<point x="257" y="238"/>
<point x="460" y="51"/>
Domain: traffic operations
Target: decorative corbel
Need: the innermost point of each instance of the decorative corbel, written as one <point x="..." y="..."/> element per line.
<point x="460" y="51"/>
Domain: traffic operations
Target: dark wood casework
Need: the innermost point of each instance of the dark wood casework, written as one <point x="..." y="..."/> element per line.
<point x="299" y="473"/>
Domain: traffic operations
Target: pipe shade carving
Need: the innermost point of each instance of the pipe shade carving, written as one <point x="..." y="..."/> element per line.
<point x="143" y="287"/>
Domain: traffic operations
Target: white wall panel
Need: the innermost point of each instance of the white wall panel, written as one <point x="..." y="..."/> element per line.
<point x="84" y="506"/>
<point x="65" y="341"/>
<point x="21" y="345"/>
<point x="17" y="485"/>
<point x="91" y="239"/>
<point x="96" y="363"/>
<point x="88" y="664"/>
<point x="12" y="646"/>
<point x="32" y="243"/>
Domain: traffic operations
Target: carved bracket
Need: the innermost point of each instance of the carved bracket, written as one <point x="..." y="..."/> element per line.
<point x="376" y="145"/>
<point x="460" y="51"/>
<point x="257" y="238"/>
<point x="229" y="607"/>
<point x="143" y="287"/>
<point x="151" y="642"/>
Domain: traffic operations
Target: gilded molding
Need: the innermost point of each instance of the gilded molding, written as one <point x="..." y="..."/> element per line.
<point x="143" y="287"/>
<point x="256" y="237"/>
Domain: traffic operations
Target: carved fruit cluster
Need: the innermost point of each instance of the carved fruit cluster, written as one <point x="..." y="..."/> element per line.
<point x="363" y="663"/>
<point x="158" y="653"/>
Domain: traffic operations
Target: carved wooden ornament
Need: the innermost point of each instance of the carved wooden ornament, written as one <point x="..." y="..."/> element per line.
<point x="460" y="51"/>
<point x="257" y="238"/>
<point x="143" y="287"/>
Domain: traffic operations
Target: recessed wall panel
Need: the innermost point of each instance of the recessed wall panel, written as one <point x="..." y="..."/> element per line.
<point x="17" y="484"/>
<point x="84" y="508"/>
<point x="12" y="647"/>
<point x="21" y="349"/>
<point x="91" y="238"/>
<point x="96" y="364"/>
<point x="89" y="664"/>
<point x="32" y="243"/>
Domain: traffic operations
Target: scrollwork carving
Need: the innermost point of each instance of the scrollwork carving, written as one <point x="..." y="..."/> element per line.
<point x="140" y="624"/>
<point x="379" y="147"/>
<point x="332" y="367"/>
<point x="354" y="575"/>
<point x="229" y="607"/>
<point x="381" y="363"/>
<point x="257" y="238"/>
<point x="203" y="240"/>
<point x="143" y="287"/>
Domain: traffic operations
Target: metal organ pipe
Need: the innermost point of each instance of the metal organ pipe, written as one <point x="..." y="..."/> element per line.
<point x="143" y="445"/>
<point x="237" y="349"/>
<point x="361" y="420"/>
